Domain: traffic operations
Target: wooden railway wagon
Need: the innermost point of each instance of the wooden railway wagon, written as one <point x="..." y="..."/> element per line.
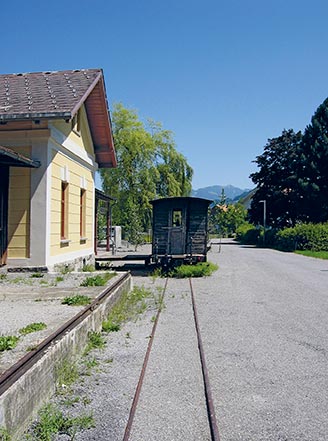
<point x="179" y="230"/>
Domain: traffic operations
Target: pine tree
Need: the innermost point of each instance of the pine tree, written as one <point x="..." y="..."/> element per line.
<point x="313" y="167"/>
<point x="276" y="181"/>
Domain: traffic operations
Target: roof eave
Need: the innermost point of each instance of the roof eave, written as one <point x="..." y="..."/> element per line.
<point x="35" y="115"/>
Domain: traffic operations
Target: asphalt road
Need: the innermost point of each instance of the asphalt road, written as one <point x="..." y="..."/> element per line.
<point x="263" y="319"/>
<point x="264" y="326"/>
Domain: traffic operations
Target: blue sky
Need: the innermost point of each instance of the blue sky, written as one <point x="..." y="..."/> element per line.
<point x="224" y="76"/>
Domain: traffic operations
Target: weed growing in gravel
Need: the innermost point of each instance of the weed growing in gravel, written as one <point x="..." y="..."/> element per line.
<point x="86" y="400"/>
<point x="21" y="280"/>
<point x="32" y="327"/>
<point x="109" y="326"/>
<point x="3" y="277"/>
<point x="66" y="374"/>
<point x="95" y="341"/>
<point x="156" y="273"/>
<point x="52" y="421"/>
<point x="90" y="363"/>
<point x="66" y="269"/>
<point x="4" y="434"/>
<point x="37" y="276"/>
<point x="8" y="342"/>
<point x="127" y="308"/>
<point x="98" y="280"/>
<point x="199" y="270"/>
<point x="77" y="300"/>
<point x="70" y="401"/>
<point x="31" y="348"/>
<point x="59" y="279"/>
<point x="88" y="268"/>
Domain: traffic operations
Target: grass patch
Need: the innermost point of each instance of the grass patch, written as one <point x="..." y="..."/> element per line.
<point x="88" y="268"/>
<point x="37" y="276"/>
<point x="3" y="277"/>
<point x="8" y="342"/>
<point x="59" y="279"/>
<point x="109" y="326"/>
<point x="95" y="341"/>
<point x="98" y="280"/>
<point x="67" y="374"/>
<point x="32" y="327"/>
<point x="317" y="254"/>
<point x="201" y="269"/>
<point x="71" y="401"/>
<point x="66" y="269"/>
<point x="77" y="300"/>
<point x="52" y="421"/>
<point x="131" y="304"/>
<point x="4" y="434"/>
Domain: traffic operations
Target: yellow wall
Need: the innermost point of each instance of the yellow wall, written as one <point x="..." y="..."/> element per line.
<point x="19" y="209"/>
<point x="76" y="171"/>
<point x="83" y="139"/>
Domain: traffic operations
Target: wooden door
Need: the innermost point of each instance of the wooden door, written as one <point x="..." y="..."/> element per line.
<point x="4" y="185"/>
<point x="177" y="232"/>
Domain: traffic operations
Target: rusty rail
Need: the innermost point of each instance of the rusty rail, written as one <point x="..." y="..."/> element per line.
<point x="207" y="389"/>
<point x="208" y="393"/>
<point x="143" y="371"/>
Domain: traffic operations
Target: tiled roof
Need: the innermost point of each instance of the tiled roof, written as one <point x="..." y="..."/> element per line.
<point x="59" y="95"/>
<point x="44" y="94"/>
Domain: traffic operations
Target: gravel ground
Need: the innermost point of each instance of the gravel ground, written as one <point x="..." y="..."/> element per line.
<point x="264" y="330"/>
<point x="110" y="387"/>
<point x="25" y="300"/>
<point x="264" y="326"/>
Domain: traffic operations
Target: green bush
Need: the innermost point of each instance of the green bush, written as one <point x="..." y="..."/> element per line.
<point x="312" y="237"/>
<point x="201" y="269"/>
<point x="248" y="234"/>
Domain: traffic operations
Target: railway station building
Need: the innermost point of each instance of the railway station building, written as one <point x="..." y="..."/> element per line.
<point x="55" y="133"/>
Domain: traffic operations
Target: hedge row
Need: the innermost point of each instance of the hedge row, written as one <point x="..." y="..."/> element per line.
<point x="312" y="237"/>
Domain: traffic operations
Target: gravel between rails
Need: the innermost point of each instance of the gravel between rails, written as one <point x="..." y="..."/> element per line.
<point x="172" y="403"/>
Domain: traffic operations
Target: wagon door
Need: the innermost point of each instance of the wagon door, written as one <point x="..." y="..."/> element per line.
<point x="177" y="232"/>
<point x="4" y="176"/>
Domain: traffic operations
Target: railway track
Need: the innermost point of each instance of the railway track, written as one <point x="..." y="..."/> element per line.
<point x="213" y="426"/>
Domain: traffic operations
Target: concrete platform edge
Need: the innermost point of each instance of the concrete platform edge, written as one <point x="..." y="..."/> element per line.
<point x="20" y="403"/>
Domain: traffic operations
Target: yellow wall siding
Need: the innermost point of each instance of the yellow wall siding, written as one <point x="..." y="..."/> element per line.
<point x="83" y="139"/>
<point x="76" y="171"/>
<point x="19" y="209"/>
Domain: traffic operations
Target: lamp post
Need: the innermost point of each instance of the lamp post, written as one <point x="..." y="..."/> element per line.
<point x="264" y="218"/>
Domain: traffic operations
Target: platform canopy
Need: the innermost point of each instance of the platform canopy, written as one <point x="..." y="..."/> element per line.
<point x="11" y="158"/>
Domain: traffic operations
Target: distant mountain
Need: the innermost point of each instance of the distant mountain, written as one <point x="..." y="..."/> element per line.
<point x="214" y="192"/>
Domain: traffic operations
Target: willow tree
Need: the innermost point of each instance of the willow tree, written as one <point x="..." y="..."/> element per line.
<point x="149" y="167"/>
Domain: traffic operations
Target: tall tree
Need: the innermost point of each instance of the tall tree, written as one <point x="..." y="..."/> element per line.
<point x="277" y="181"/>
<point x="149" y="166"/>
<point x="313" y="167"/>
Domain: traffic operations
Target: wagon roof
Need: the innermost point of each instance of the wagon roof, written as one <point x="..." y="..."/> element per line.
<point x="181" y="198"/>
